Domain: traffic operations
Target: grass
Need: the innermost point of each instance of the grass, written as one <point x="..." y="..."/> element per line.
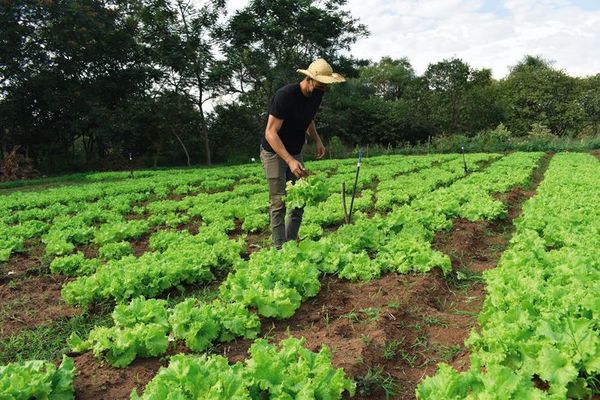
<point x="372" y="313"/>
<point x="49" y="342"/>
<point x="352" y="316"/>
<point x="421" y="342"/>
<point x="430" y="320"/>
<point x="463" y="278"/>
<point x="394" y="305"/>
<point x="465" y="312"/>
<point x="409" y="359"/>
<point x="390" y="349"/>
<point x="448" y="353"/>
<point x="7" y="310"/>
<point x="376" y="380"/>
<point x="366" y="339"/>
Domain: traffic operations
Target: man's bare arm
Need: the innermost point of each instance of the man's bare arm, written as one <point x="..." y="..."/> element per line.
<point x="312" y="132"/>
<point x="272" y="136"/>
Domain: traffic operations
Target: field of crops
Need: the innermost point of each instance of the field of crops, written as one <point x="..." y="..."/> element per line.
<point x="447" y="284"/>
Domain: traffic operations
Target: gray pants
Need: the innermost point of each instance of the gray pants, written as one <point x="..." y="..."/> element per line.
<point x="278" y="173"/>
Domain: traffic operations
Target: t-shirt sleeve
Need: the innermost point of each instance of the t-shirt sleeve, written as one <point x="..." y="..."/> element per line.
<point x="280" y="105"/>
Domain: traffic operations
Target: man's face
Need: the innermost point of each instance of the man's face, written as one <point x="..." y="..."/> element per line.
<point x="316" y="85"/>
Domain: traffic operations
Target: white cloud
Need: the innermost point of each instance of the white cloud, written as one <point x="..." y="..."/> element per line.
<point x="491" y="34"/>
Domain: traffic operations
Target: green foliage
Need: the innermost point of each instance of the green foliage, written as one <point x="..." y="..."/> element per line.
<point x="117" y="232"/>
<point x="202" y="325"/>
<point x="500" y="133"/>
<point x="74" y="265"/>
<point x="275" y="282"/>
<point x="305" y="192"/>
<point x="336" y="147"/>
<point x="375" y="380"/>
<point x="539" y="131"/>
<point x="255" y="222"/>
<point x="539" y="317"/>
<point x="140" y="328"/>
<point x="115" y="251"/>
<point x="187" y="261"/>
<point x="389" y="79"/>
<point x="37" y="380"/>
<point x="536" y="93"/>
<point x="9" y="245"/>
<point x="295" y="372"/>
<point x="289" y="372"/>
<point x="190" y="377"/>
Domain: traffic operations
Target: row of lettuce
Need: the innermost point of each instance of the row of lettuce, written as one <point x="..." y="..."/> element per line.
<point x="274" y="283"/>
<point x="111" y="214"/>
<point x="287" y="371"/>
<point x="539" y="334"/>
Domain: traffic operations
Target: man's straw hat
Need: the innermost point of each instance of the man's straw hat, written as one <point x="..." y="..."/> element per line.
<point x="321" y="71"/>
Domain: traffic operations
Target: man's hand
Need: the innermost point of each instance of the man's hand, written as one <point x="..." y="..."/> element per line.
<point x="320" y="149"/>
<point x="297" y="168"/>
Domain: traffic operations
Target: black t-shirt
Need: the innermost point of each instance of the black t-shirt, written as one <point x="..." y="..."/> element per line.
<point x="296" y="111"/>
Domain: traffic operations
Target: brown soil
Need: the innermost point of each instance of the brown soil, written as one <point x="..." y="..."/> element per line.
<point x="192" y="226"/>
<point x="256" y="241"/>
<point x="140" y="245"/>
<point x="21" y="265"/>
<point x="90" y="250"/>
<point x="29" y="297"/>
<point x="29" y="303"/>
<point x="96" y="381"/>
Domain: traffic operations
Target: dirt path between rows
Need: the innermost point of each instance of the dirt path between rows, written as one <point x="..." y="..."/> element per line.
<point x="29" y="296"/>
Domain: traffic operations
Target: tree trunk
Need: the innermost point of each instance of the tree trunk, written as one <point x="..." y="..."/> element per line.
<point x="157" y="150"/>
<point x="204" y="129"/>
<point x="88" y="147"/>
<point x="184" y="148"/>
<point x="155" y="157"/>
<point x="199" y="85"/>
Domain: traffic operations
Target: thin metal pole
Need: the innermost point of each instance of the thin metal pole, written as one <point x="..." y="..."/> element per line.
<point x="355" y="183"/>
<point x="130" y="165"/>
<point x="344" y="202"/>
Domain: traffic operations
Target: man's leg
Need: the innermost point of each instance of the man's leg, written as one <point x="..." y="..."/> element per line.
<point x="294" y="219"/>
<point x="275" y="173"/>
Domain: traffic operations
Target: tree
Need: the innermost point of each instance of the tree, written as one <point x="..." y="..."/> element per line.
<point x="377" y="107"/>
<point x="168" y="119"/>
<point x="185" y="41"/>
<point x="391" y="79"/>
<point x="66" y="78"/>
<point x="269" y="40"/>
<point x="534" y="92"/>
<point x="450" y="93"/>
<point x="590" y="102"/>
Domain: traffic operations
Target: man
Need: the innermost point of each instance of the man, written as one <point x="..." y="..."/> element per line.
<point x="291" y="117"/>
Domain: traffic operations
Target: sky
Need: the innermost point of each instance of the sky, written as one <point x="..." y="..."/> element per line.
<point x="483" y="33"/>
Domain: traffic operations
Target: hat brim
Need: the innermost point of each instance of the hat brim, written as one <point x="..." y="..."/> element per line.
<point x="326" y="79"/>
